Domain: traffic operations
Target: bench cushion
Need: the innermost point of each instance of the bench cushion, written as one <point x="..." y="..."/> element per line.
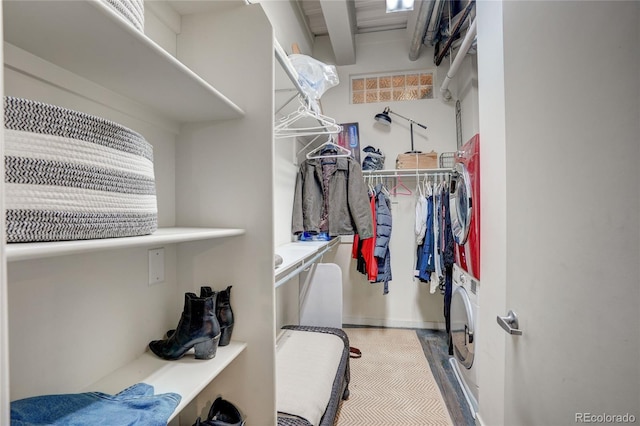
<point x="306" y="367"/>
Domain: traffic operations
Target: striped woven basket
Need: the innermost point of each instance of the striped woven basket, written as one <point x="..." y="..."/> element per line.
<point x="131" y="10"/>
<point x="73" y="176"/>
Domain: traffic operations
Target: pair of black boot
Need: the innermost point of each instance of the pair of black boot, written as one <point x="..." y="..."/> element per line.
<point x="222" y="413"/>
<point x="206" y="323"/>
<point x="224" y="313"/>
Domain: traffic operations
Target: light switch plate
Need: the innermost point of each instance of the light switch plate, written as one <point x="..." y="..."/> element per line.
<point x="156" y="266"/>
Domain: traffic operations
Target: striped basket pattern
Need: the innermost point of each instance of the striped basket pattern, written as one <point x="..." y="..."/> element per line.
<point x="74" y="176"/>
<point x="131" y="10"/>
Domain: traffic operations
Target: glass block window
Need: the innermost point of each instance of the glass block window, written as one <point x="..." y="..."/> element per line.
<point x="398" y="86"/>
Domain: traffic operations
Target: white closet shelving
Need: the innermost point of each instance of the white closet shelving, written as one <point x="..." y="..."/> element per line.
<point x="186" y="377"/>
<point x="88" y="301"/>
<point x="23" y="251"/>
<point x="113" y="54"/>
<point x="297" y="256"/>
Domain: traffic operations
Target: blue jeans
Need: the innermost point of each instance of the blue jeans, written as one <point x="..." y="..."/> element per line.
<point x="136" y="405"/>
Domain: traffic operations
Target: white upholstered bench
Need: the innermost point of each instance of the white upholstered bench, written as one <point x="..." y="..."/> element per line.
<point x="312" y="375"/>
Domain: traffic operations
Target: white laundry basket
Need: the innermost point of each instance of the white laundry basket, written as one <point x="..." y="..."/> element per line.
<point x="131" y="10"/>
<point x="74" y="176"/>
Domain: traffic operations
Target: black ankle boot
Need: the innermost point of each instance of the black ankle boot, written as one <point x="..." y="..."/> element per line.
<point x="224" y="314"/>
<point x="222" y="413"/>
<point x="205" y="291"/>
<point x="198" y="328"/>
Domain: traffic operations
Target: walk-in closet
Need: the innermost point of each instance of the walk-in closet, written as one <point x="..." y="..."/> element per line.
<point x="277" y="212"/>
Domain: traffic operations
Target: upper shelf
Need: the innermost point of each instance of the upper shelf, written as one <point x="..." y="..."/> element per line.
<point x="88" y="39"/>
<point x="23" y="251"/>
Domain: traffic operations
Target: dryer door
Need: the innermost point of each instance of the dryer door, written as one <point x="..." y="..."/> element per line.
<point x="460" y="203"/>
<point x="462" y="327"/>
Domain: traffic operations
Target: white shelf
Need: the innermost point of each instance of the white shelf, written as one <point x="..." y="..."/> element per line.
<point x="186" y="376"/>
<point x="88" y="39"/>
<point x="23" y="251"/>
<point x="298" y="255"/>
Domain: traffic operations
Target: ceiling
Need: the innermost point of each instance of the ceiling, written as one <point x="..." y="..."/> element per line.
<point x="431" y="22"/>
<point x="439" y="24"/>
<point x="371" y="15"/>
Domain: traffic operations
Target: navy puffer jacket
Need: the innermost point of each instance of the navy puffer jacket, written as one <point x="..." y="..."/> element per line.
<point x="383" y="236"/>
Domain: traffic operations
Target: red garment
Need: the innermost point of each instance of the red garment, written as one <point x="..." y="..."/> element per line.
<point x="364" y="249"/>
<point x="354" y="247"/>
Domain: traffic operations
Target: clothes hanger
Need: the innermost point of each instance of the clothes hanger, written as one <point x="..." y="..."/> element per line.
<point x="383" y="185"/>
<point x="402" y="186"/>
<point x="427" y="186"/>
<point x="285" y="126"/>
<point x="341" y="151"/>
<point x="369" y="185"/>
<point x="379" y="180"/>
<point x="308" y="145"/>
<point x="323" y="128"/>
<point x="304" y="109"/>
<point x="385" y="191"/>
<point x="419" y="189"/>
<point x="302" y="112"/>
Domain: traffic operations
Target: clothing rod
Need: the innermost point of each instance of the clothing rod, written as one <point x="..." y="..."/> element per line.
<point x="307" y="263"/>
<point x="405" y="172"/>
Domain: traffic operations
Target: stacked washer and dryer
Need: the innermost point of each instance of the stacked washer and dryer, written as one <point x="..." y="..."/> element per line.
<point x="465" y="224"/>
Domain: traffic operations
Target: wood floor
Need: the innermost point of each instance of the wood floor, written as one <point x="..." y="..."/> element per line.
<point x="435" y="346"/>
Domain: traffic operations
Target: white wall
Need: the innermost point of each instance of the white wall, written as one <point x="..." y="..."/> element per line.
<point x="466" y="90"/>
<point x="288" y="24"/>
<point x="284" y="180"/>
<point x="387" y="52"/>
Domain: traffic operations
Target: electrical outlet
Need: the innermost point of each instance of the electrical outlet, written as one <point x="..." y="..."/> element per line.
<point x="156" y="266"/>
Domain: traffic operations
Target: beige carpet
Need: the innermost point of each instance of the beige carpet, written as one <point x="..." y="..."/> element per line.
<point x="392" y="383"/>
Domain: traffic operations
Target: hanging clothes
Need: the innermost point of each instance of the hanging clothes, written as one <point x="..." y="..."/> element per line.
<point x="438" y="275"/>
<point x="435" y="255"/>
<point x="448" y="261"/>
<point x="383" y="237"/>
<point x="330" y="193"/>
<point x="363" y="249"/>
<point x="421" y="217"/>
<point x="448" y="243"/>
<point x="424" y="254"/>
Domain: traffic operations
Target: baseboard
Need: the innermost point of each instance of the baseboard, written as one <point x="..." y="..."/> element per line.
<point x="383" y="322"/>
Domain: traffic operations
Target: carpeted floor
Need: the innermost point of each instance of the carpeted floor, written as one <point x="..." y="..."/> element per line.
<point x="392" y="384"/>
